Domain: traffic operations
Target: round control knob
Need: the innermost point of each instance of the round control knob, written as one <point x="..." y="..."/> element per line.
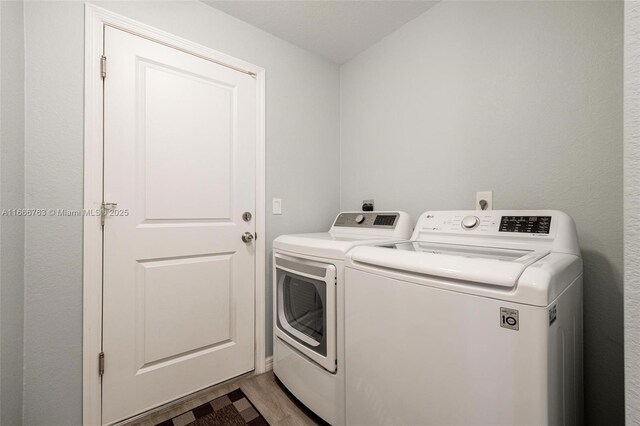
<point x="359" y="218"/>
<point x="470" y="222"/>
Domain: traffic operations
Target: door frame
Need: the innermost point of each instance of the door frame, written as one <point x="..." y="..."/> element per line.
<point x="95" y="20"/>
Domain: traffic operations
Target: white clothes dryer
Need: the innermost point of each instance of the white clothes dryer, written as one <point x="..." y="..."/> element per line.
<point x="475" y="321"/>
<point x="309" y="305"/>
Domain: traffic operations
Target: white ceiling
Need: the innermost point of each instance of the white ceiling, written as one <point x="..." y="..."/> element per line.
<point x="337" y="30"/>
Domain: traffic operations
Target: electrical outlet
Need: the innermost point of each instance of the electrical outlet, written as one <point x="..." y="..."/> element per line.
<point x="276" y="206"/>
<point x="484" y="200"/>
<point x="368" y="206"/>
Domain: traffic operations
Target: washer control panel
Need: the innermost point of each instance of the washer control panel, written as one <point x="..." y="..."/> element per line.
<point x="492" y="222"/>
<point x="531" y="229"/>
<point x="525" y="224"/>
<point x="367" y="220"/>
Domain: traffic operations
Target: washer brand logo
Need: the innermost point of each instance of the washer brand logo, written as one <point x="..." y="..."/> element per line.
<point x="509" y="319"/>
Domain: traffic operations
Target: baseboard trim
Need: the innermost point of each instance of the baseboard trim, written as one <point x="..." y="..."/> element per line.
<point x="268" y="363"/>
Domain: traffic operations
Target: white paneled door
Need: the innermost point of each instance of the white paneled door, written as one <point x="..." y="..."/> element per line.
<point x="178" y="286"/>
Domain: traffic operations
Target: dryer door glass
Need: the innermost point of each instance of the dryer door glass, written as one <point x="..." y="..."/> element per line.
<point x="302" y="312"/>
<point x="304" y="306"/>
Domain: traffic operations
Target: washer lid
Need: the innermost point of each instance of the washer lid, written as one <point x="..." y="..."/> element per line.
<point x="484" y="265"/>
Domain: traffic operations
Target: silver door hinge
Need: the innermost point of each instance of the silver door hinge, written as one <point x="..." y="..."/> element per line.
<point x="103" y="66"/>
<point x="105" y="209"/>
<point x="101" y="364"/>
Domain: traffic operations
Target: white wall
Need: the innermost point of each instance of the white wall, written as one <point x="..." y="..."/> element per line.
<point x="302" y="168"/>
<point x="522" y="98"/>
<point x="632" y="211"/>
<point x="11" y="197"/>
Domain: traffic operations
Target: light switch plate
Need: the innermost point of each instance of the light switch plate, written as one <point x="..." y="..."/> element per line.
<point x="276" y="206"/>
<point x="486" y="196"/>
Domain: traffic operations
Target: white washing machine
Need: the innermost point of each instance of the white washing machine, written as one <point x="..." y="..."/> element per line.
<point x="475" y="321"/>
<point x="309" y="307"/>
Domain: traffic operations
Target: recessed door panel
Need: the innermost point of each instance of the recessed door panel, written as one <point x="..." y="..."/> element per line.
<point x="172" y="132"/>
<point x="180" y="295"/>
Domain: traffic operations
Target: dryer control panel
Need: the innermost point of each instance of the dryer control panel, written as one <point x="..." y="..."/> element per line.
<point x="384" y="220"/>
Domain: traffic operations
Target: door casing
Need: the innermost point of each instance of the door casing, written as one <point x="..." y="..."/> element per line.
<point x="95" y="20"/>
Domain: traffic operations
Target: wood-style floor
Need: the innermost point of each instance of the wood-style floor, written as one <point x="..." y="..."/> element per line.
<point x="274" y="403"/>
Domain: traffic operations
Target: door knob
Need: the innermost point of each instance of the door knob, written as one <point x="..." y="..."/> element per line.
<point x="247" y="237"/>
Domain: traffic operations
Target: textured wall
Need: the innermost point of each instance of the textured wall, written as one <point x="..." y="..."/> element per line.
<point x="632" y="210"/>
<point x="522" y="98"/>
<point x="11" y="197"/>
<point x="302" y="167"/>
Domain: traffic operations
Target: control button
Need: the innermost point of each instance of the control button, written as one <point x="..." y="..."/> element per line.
<point x="470" y="222"/>
<point x="359" y="218"/>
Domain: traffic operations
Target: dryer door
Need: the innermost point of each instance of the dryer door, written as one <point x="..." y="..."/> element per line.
<point x="305" y="308"/>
